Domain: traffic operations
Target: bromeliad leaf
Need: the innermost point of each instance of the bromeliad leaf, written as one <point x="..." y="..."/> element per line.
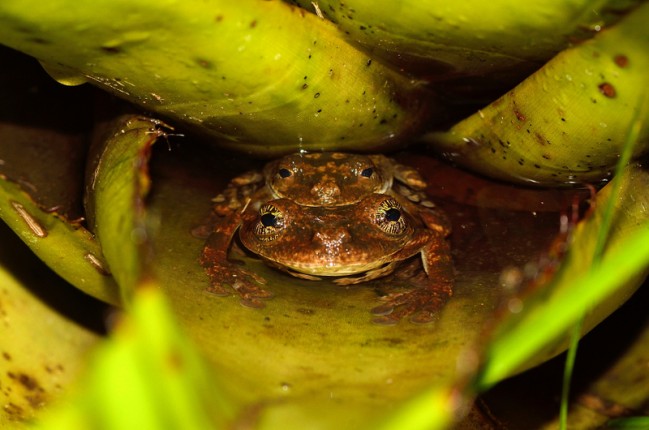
<point x="116" y="194"/>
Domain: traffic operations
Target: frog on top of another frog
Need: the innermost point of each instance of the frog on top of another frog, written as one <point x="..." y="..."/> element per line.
<point x="335" y="215"/>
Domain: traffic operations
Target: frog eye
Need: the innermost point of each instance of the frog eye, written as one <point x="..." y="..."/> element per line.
<point x="284" y="173"/>
<point x="389" y="217"/>
<point x="367" y="172"/>
<point x="270" y="224"/>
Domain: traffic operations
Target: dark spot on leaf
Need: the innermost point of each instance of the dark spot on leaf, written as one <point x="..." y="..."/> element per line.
<point x="218" y="18"/>
<point x="6" y="356"/>
<point x="253" y="24"/>
<point x="39" y="40"/>
<point x="111" y="49"/>
<point x="362" y="27"/>
<point x="519" y="115"/>
<point x="305" y="311"/>
<point x="316" y="95"/>
<point x="369" y="62"/>
<point x="28" y="382"/>
<point x="13" y="410"/>
<point x="175" y="360"/>
<point x="607" y="89"/>
<point x="540" y="139"/>
<point x="305" y="86"/>
<point x="621" y="60"/>
<point x="204" y="63"/>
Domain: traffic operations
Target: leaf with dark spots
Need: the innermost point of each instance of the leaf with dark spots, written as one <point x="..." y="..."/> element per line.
<point x="43" y="345"/>
<point x="180" y="67"/>
<point x="583" y="83"/>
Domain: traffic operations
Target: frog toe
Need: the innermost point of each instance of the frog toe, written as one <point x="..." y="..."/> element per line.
<point x="218" y="290"/>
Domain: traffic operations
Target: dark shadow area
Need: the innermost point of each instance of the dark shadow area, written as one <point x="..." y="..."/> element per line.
<point x="47" y="286"/>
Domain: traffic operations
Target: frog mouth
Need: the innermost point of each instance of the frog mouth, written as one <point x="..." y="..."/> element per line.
<point x="352" y="273"/>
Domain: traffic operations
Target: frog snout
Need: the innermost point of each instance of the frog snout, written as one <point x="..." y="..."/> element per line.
<point x="332" y="236"/>
<point x="326" y="190"/>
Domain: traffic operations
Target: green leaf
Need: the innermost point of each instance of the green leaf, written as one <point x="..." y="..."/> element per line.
<point x="579" y="287"/>
<point x="567" y="123"/>
<point x="119" y="186"/>
<point x="431" y="37"/>
<point x="147" y="376"/>
<point x="231" y="70"/>
<point x="68" y="248"/>
<point x="42" y="350"/>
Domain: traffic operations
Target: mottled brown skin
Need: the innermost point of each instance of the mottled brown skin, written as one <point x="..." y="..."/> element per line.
<point x="320" y="179"/>
<point x="365" y="239"/>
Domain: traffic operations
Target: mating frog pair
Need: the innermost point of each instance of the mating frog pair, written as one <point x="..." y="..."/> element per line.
<point x="350" y="218"/>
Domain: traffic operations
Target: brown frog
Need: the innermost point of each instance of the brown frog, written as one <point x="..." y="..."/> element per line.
<point x="321" y="179"/>
<point x="356" y="242"/>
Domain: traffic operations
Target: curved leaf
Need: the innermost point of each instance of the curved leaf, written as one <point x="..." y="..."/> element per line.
<point x="118" y="187"/>
<point x="148" y="367"/>
<point x="444" y="40"/>
<point x="232" y="70"/>
<point x="580" y="286"/>
<point x="67" y="248"/>
<point x="566" y="123"/>
<point x="42" y="352"/>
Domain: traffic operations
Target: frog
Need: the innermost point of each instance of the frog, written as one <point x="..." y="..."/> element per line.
<point x="322" y="179"/>
<point x="346" y="244"/>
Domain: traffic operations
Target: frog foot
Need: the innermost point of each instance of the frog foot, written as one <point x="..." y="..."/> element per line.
<point x="245" y="284"/>
<point x="422" y="305"/>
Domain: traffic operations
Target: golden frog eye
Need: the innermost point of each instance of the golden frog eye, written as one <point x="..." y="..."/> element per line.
<point x="270" y="224"/>
<point x="389" y="217"/>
